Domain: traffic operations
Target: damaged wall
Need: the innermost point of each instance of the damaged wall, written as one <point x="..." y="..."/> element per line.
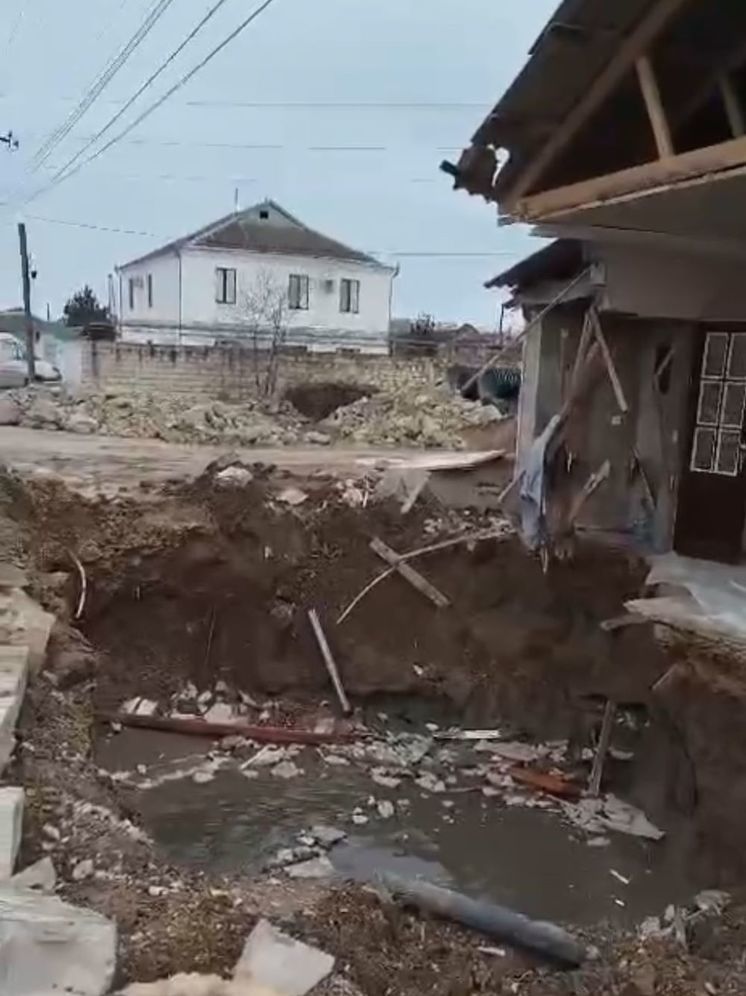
<point x="653" y="426"/>
<point x="230" y="374"/>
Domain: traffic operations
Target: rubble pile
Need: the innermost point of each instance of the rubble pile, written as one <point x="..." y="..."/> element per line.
<point x="432" y="418"/>
<point x="175" y="419"/>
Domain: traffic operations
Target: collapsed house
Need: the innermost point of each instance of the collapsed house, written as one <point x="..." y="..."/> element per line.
<point x="624" y="139"/>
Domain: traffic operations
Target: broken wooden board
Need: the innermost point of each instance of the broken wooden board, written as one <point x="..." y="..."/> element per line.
<point x="409" y="573"/>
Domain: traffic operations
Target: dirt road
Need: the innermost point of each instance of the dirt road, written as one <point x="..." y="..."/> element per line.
<point x="107" y="461"/>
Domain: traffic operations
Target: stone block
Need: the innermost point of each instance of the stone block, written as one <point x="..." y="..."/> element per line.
<point x="11" y="824"/>
<point x="273" y="960"/>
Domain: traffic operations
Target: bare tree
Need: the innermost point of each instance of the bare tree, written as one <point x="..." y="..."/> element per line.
<point x="265" y="308"/>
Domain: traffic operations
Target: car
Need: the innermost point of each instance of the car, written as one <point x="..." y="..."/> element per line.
<point x="13" y="366"/>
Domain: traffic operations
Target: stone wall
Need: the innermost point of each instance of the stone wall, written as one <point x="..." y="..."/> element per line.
<point x="230" y="373"/>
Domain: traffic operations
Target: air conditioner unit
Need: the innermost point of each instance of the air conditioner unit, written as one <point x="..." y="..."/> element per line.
<point x="328" y="285"/>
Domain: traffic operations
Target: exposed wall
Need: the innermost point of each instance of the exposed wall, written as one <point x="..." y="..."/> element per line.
<point x="652" y="428"/>
<point x="229" y="374"/>
<point x="193" y="276"/>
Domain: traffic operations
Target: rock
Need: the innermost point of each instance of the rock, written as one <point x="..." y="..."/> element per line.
<point x="327" y="836"/>
<point x="232" y="742"/>
<point x="193" y="984"/>
<point x="292" y="496"/>
<point x="276" y="961"/>
<point x="11" y="821"/>
<point x="84" y="425"/>
<point x="430" y="783"/>
<point x="317" y="438"/>
<point x="379" y="776"/>
<point x="359" y="819"/>
<point x="42" y="414"/>
<point x="48" y="946"/>
<point x="313" y="868"/>
<point x="41" y="877"/>
<point x="233" y="477"/>
<point x="286" y="769"/>
<point x="84" y="869"/>
<point x="644" y="980"/>
<point x="10" y="412"/>
<point x="385" y="809"/>
<point x="220" y="712"/>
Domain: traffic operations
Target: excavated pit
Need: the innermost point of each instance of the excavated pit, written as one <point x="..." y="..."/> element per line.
<point x="209" y="587"/>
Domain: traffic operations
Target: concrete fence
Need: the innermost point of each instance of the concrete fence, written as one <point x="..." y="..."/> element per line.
<point x="231" y="373"/>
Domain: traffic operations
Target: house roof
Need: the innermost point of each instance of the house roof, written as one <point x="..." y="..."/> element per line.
<point x="560" y="260"/>
<point x="277" y="233"/>
<point x="14" y="321"/>
<point x="570" y="53"/>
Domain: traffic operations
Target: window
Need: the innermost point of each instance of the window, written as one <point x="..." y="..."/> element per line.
<point x="298" y="292"/>
<point x="721" y="405"/>
<point x="264" y="214"/>
<point x="131" y="291"/>
<point x="225" y="285"/>
<point x="150" y="290"/>
<point x="349" y="296"/>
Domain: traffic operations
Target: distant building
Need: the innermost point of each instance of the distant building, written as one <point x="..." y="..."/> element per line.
<point x="205" y="287"/>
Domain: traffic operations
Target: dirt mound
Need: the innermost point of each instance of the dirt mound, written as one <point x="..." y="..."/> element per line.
<point x="318" y="401"/>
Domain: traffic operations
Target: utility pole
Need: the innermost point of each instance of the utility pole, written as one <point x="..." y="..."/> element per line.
<point x="30" y="343"/>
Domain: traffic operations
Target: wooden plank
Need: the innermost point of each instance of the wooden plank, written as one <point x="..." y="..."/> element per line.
<point x="592" y="484"/>
<point x="637" y="42"/>
<point x="329" y="661"/>
<point x="409" y="573"/>
<point x="597" y="771"/>
<point x="636" y="180"/>
<point x="733" y="106"/>
<point x="652" y="96"/>
<point x="608" y="360"/>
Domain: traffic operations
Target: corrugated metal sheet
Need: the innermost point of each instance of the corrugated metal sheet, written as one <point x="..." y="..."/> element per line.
<point x="571" y="52"/>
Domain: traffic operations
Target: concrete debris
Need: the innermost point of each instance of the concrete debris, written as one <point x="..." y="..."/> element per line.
<point x="430" y="783"/>
<point x="513" y="750"/>
<point x="84" y="869"/>
<point x="10" y="411"/>
<point x="48" y="946"/>
<point x="385" y="809"/>
<point x="292" y="496"/>
<point x="193" y="984"/>
<point x="11" y="823"/>
<point x="268" y="756"/>
<point x="320" y="867"/>
<point x="430" y="418"/>
<point x="286" y="769"/>
<point x="327" y="836"/>
<point x="140" y="707"/>
<point x="380" y="777"/>
<point x="51" y="832"/>
<point x="359" y="819"/>
<point x="234" y="477"/>
<point x="286" y="966"/>
<point x="40" y="877"/>
<point x="610" y="813"/>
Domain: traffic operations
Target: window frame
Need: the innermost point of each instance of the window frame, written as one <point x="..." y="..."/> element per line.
<point x="349" y="296"/>
<point x="300" y="283"/>
<point x="149" y="280"/>
<point x="131" y="293"/>
<point x="225" y="285"/>
<point x="716" y="426"/>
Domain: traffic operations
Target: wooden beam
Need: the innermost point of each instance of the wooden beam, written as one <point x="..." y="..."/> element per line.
<point x="409" y="573"/>
<point x="635" y="180"/>
<point x="634" y="45"/>
<point x="733" y="106"/>
<point x="608" y="360"/>
<point x="604" y="740"/>
<point x="652" y="96"/>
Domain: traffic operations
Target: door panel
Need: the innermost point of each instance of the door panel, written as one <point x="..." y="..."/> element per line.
<point x="712" y="493"/>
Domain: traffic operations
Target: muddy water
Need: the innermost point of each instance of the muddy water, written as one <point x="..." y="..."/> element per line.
<point x="526" y="858"/>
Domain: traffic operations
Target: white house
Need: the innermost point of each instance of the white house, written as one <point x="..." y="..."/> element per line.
<point x="257" y="268"/>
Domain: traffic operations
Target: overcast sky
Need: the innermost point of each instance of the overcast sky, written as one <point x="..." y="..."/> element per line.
<point x="261" y="117"/>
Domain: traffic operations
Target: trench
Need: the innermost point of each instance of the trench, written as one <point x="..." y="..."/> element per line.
<point x="218" y="606"/>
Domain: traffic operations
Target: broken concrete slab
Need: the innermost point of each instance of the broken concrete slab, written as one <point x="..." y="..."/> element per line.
<point x="193" y="984"/>
<point x="327" y="836"/>
<point x="11" y="822"/>
<point x="35" y="625"/>
<point x="48" y="946"/>
<point x="40" y="877"/>
<point x="14" y="668"/>
<point x="320" y="867"/>
<point x="277" y="961"/>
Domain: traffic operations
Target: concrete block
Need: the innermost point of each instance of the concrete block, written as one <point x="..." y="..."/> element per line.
<point x="11" y="826"/>
<point x="36" y="626"/>
<point x="48" y="946"/>
<point x="273" y="960"/>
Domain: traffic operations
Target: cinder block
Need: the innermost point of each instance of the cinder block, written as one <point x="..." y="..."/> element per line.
<point x="11" y="823"/>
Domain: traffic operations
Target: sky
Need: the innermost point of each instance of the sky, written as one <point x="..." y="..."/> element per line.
<point x="340" y="110"/>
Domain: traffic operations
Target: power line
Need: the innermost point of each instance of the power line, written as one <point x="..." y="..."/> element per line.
<point x="161" y="100"/>
<point x="100" y="84"/>
<point x="148" y="82"/>
<point x="401" y="254"/>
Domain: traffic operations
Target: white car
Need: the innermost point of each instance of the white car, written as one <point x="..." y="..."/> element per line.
<point x="13" y="366"/>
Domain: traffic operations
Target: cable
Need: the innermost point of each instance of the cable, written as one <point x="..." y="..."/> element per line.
<point x="425" y="254"/>
<point x="150" y="80"/>
<point x="100" y="84"/>
<point x="159" y="102"/>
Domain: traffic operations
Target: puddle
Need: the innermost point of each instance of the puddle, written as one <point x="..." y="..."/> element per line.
<point x="526" y="858"/>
